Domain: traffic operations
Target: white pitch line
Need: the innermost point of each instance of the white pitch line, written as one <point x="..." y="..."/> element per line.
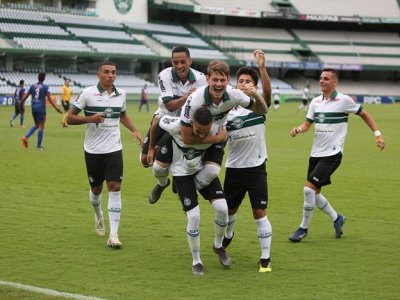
<point x="48" y="291"/>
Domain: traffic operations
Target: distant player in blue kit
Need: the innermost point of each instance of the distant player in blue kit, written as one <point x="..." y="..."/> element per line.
<point x="18" y="94"/>
<point x="39" y="92"/>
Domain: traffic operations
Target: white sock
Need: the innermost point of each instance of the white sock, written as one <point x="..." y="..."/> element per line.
<point x="114" y="210"/>
<point x="206" y="175"/>
<point x="221" y="221"/>
<point x="160" y="173"/>
<point x="95" y="200"/>
<point x="231" y="226"/>
<point x="193" y="233"/>
<point x="264" y="232"/>
<point x="308" y="209"/>
<point x="324" y="205"/>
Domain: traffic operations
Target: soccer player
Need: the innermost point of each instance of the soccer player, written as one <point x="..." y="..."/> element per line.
<point x="175" y="83"/>
<point x="276" y="93"/>
<point x="330" y="113"/>
<point x="219" y="98"/>
<point x="39" y="92"/>
<point x="305" y="97"/>
<point x="18" y="94"/>
<point x="246" y="163"/>
<point x="187" y="161"/>
<point x="104" y="106"/>
<point x="144" y="99"/>
<point x="66" y="92"/>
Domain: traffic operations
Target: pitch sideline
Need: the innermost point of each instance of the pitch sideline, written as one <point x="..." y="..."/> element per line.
<point x="48" y="291"/>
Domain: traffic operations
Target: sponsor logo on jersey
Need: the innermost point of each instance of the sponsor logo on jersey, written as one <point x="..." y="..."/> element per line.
<point x="187" y="108"/>
<point x="161" y="85"/>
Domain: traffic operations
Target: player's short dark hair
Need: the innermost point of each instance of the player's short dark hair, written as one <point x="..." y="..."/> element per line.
<point x="179" y="49"/>
<point x="218" y="66"/>
<point x="248" y="71"/>
<point x="42" y="76"/>
<point x="107" y="63"/>
<point x="333" y="71"/>
<point x="21" y="82"/>
<point x="203" y="116"/>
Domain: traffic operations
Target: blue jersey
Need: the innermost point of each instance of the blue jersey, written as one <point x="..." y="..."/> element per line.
<point x="18" y="94"/>
<point x="39" y="91"/>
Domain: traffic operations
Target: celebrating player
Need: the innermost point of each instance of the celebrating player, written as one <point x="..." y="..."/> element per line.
<point x="330" y="113"/>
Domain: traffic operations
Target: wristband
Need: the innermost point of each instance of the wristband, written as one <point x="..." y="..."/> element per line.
<point x="377" y="133"/>
<point x="298" y="130"/>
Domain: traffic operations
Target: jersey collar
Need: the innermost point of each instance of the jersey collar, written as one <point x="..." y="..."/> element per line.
<point x="175" y="78"/>
<point x="207" y="96"/>
<point x="333" y="96"/>
<point x="101" y="90"/>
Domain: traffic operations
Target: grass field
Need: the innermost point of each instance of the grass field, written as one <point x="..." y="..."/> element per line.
<point x="47" y="227"/>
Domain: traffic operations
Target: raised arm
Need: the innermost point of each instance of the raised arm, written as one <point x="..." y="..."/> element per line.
<point x="265" y="80"/>
<point x="259" y="106"/>
<point x="371" y="124"/>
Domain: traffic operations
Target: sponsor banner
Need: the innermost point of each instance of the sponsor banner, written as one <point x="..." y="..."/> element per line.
<point x="209" y="10"/>
<point x="375" y="99"/>
<point x="307" y="65"/>
<point x="346" y="67"/>
<point x="391" y="20"/>
<point x="370" y="20"/>
<point x="322" y="18"/>
<point x="350" y="19"/>
<point x="6" y="100"/>
<point x="9" y="100"/>
<point x="243" y="13"/>
<point x="267" y="14"/>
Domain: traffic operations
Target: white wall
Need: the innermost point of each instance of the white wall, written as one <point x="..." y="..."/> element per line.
<point x="106" y="9"/>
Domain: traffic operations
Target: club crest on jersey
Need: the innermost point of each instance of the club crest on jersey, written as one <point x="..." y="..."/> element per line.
<point x="108" y="112"/>
<point x="321" y="118"/>
<point x="237" y="123"/>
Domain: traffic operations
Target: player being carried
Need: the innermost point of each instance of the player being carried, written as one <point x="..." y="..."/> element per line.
<point x="219" y="98"/>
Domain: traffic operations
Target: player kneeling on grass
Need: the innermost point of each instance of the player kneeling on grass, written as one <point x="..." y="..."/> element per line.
<point x="187" y="161"/>
<point x="330" y="113"/>
<point x="105" y="107"/>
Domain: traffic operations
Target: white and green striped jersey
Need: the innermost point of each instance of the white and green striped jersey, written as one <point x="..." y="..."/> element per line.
<point x="246" y="139"/>
<point x="187" y="159"/>
<point x="331" y="118"/>
<point x="103" y="137"/>
<point x="201" y="98"/>
<point x="172" y="88"/>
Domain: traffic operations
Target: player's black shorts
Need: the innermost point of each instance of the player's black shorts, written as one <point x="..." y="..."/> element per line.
<point x="65" y="104"/>
<point x="187" y="191"/>
<point x="215" y="153"/>
<point x="165" y="151"/>
<point x="276" y="102"/>
<point x="39" y="117"/>
<point x="19" y="110"/>
<point x="304" y="101"/>
<point x="253" y="180"/>
<point x="100" y="167"/>
<point x="320" y="169"/>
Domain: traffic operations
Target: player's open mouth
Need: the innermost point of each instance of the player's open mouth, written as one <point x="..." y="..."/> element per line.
<point x="218" y="90"/>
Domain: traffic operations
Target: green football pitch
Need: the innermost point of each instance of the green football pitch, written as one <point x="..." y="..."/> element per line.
<point x="47" y="237"/>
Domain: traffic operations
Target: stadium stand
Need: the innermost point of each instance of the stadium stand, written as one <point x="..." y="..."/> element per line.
<point x="382" y="8"/>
